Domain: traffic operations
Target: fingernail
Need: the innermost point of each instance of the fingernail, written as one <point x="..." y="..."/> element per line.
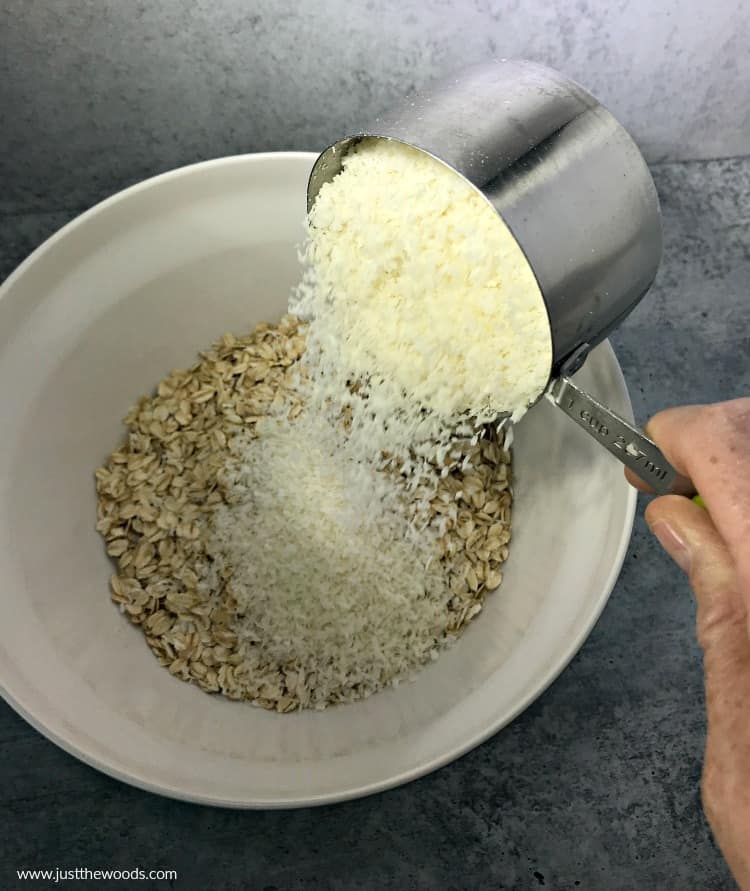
<point x="672" y="544"/>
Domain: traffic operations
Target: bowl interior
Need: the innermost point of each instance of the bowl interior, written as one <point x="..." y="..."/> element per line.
<point x="94" y="319"/>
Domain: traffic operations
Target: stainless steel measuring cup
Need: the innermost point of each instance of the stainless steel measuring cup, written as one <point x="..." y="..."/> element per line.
<point x="574" y="190"/>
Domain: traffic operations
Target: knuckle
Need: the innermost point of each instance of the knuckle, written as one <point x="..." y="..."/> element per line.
<point x="718" y="621"/>
<point x="735" y="416"/>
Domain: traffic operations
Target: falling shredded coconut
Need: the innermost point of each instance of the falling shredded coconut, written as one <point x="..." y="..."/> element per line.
<point x="314" y="510"/>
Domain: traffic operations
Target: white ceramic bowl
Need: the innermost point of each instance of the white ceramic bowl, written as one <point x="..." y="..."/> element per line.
<point x="93" y="319"/>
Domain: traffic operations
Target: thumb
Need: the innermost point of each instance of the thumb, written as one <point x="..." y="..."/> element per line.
<point x="689" y="536"/>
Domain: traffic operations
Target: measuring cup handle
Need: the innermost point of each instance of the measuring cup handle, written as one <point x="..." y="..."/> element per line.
<point x="628" y="444"/>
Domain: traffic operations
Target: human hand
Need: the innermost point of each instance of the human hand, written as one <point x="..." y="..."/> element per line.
<point x="710" y="444"/>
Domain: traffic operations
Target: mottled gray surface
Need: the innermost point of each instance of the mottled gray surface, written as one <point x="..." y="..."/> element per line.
<point x="593" y="787"/>
<point x="96" y="94"/>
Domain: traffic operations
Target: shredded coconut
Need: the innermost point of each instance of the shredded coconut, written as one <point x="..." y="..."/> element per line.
<point x="426" y="327"/>
<point x="349" y="595"/>
<point x="416" y="285"/>
<point x="337" y="511"/>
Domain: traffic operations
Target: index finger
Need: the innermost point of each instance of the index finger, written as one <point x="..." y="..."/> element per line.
<point x="711" y="445"/>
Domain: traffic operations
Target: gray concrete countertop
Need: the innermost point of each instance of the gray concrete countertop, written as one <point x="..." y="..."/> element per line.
<point x="595" y="786"/>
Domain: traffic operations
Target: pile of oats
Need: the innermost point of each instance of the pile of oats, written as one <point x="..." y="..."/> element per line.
<point x="179" y="463"/>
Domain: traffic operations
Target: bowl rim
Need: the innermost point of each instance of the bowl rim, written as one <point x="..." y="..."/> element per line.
<point x="141" y="186"/>
<point x="77" y="748"/>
